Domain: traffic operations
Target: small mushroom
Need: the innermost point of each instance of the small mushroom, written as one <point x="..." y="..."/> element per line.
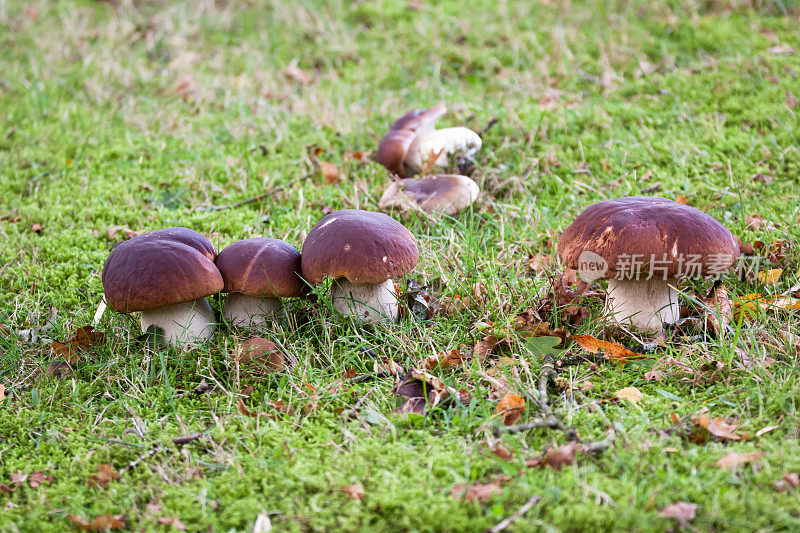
<point x="412" y="141"/>
<point x="438" y="193"/>
<point x="166" y="274"/>
<point x="362" y="251"/>
<point x="642" y="245"/>
<point x="257" y="274"/>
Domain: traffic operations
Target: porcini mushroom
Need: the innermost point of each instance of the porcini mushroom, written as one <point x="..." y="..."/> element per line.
<point x="362" y="251"/>
<point x="438" y="193"/>
<point x="412" y="142"/>
<point x="257" y="273"/>
<point x="166" y="274"/>
<point x="642" y="245"/>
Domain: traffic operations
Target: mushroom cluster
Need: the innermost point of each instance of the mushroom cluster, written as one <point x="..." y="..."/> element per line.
<point x="166" y="274"/>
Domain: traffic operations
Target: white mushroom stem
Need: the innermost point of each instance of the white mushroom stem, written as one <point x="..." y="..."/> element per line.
<point x="369" y="302"/>
<point x="646" y="304"/>
<point x="440" y="144"/>
<point x="183" y="323"/>
<point x="243" y="310"/>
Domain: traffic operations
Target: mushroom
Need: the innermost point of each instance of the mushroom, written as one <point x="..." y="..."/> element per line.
<point x="642" y="245"/>
<point x="166" y="274"/>
<point x="362" y="251"/>
<point x="257" y="273"/>
<point x="438" y="193"/>
<point x="412" y="141"/>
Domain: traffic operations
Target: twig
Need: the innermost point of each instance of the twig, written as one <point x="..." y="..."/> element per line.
<point x="503" y="525"/>
<point x="550" y="423"/>
<point x="600" y="445"/>
<point x="146" y="455"/>
<point x="257" y="197"/>
<point x="489" y="125"/>
<point x="185" y="439"/>
<point x="368" y="376"/>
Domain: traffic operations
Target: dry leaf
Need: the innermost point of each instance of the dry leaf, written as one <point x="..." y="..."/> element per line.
<point x="2" y="393"/>
<point x="103" y="522"/>
<point x="172" y="521"/>
<point x="612" y="350"/>
<point x="5" y="489"/>
<point x="632" y="394"/>
<point x="243" y="410"/>
<point x="355" y="491"/>
<point x="764" y="178"/>
<point x="479" y="492"/>
<point x="783" y="49"/>
<point x="792" y="479"/>
<point x="483" y="348"/>
<point x="330" y="173"/>
<point x="766" y="430"/>
<point x="36" y="228"/>
<point x="757" y="223"/>
<point x="734" y="460"/>
<point x="185" y="86"/>
<point x="682" y="200"/>
<point x="18" y="478"/>
<point x="540" y="263"/>
<point x="719" y="311"/>
<point x="75" y="348"/>
<point x="423" y="392"/>
<point x="510" y="408"/>
<point x="293" y="72"/>
<point x="112" y="231"/>
<point x="502" y="453"/>
<point x="770" y="276"/>
<point x="791" y="99"/>
<point x="556" y="458"/>
<point x="684" y="512"/>
<point x="444" y="360"/>
<point x="104" y="476"/>
<point x="37" y="477"/>
<point x="717" y="427"/>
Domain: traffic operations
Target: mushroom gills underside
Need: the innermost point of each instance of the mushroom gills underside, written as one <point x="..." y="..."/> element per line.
<point x="369" y="302"/>
<point x="459" y="141"/>
<point x="183" y="323"/>
<point x="646" y="304"/>
<point x="243" y="310"/>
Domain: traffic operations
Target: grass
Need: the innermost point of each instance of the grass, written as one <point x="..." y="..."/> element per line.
<point x="145" y="114"/>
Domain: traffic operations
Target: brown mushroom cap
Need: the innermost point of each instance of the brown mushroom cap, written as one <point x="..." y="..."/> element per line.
<point x="441" y="192"/>
<point x="393" y="147"/>
<point x="362" y="246"/>
<point x="261" y="267"/>
<point x="160" y="268"/>
<point x="650" y="227"/>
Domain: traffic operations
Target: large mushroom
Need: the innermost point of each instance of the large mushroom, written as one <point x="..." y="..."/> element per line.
<point x="362" y="251"/>
<point x="438" y="193"/>
<point x="412" y="142"/>
<point x="166" y="274"/>
<point x="642" y="245"/>
<point x="258" y="273"/>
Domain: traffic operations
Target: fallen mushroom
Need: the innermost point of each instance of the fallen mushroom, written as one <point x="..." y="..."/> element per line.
<point x="439" y="193"/>
<point x="362" y="251"/>
<point x="412" y="142"/>
<point x="166" y="274"/>
<point x="642" y="245"/>
<point x="257" y="273"/>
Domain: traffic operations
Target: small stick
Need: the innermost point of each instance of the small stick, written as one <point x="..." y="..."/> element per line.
<point x="185" y="439"/>
<point x="489" y="125"/>
<point x="503" y="525"/>
<point x="149" y="453"/>
<point x="368" y="376"/>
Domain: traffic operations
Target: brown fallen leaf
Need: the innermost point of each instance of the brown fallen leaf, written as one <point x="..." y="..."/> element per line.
<point x="104" y="522"/>
<point x="764" y="178"/>
<point x="112" y="231"/>
<point x="172" y="521"/>
<point x="556" y="458"/>
<point x="682" y="511"/>
<point x="733" y="460"/>
<point x="104" y="476"/>
<point x="541" y="263"/>
<point x="766" y="430"/>
<point x="2" y="393"/>
<point x="260" y="353"/>
<point x="757" y="223"/>
<point x="18" y="478"/>
<point x="295" y="73"/>
<point x="718" y="312"/>
<point x="78" y="345"/>
<point x="355" y="491"/>
<point x="612" y="350"/>
<point x="510" y="408"/>
<point x="330" y="173"/>
<point x="243" y="410"/>
<point x="681" y="200"/>
<point x="36" y="228"/>
<point x="791" y="100"/>
<point x="423" y="391"/>
<point x="632" y="394"/>
<point x="185" y="87"/>
<point x="792" y="479"/>
<point x="5" y="489"/>
<point x="781" y="49"/>
<point x="717" y="427"/>
<point x="483" y="348"/>
<point x="502" y="453"/>
<point x="478" y="492"/>
<point x="37" y="478"/>
<point x="445" y="360"/>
